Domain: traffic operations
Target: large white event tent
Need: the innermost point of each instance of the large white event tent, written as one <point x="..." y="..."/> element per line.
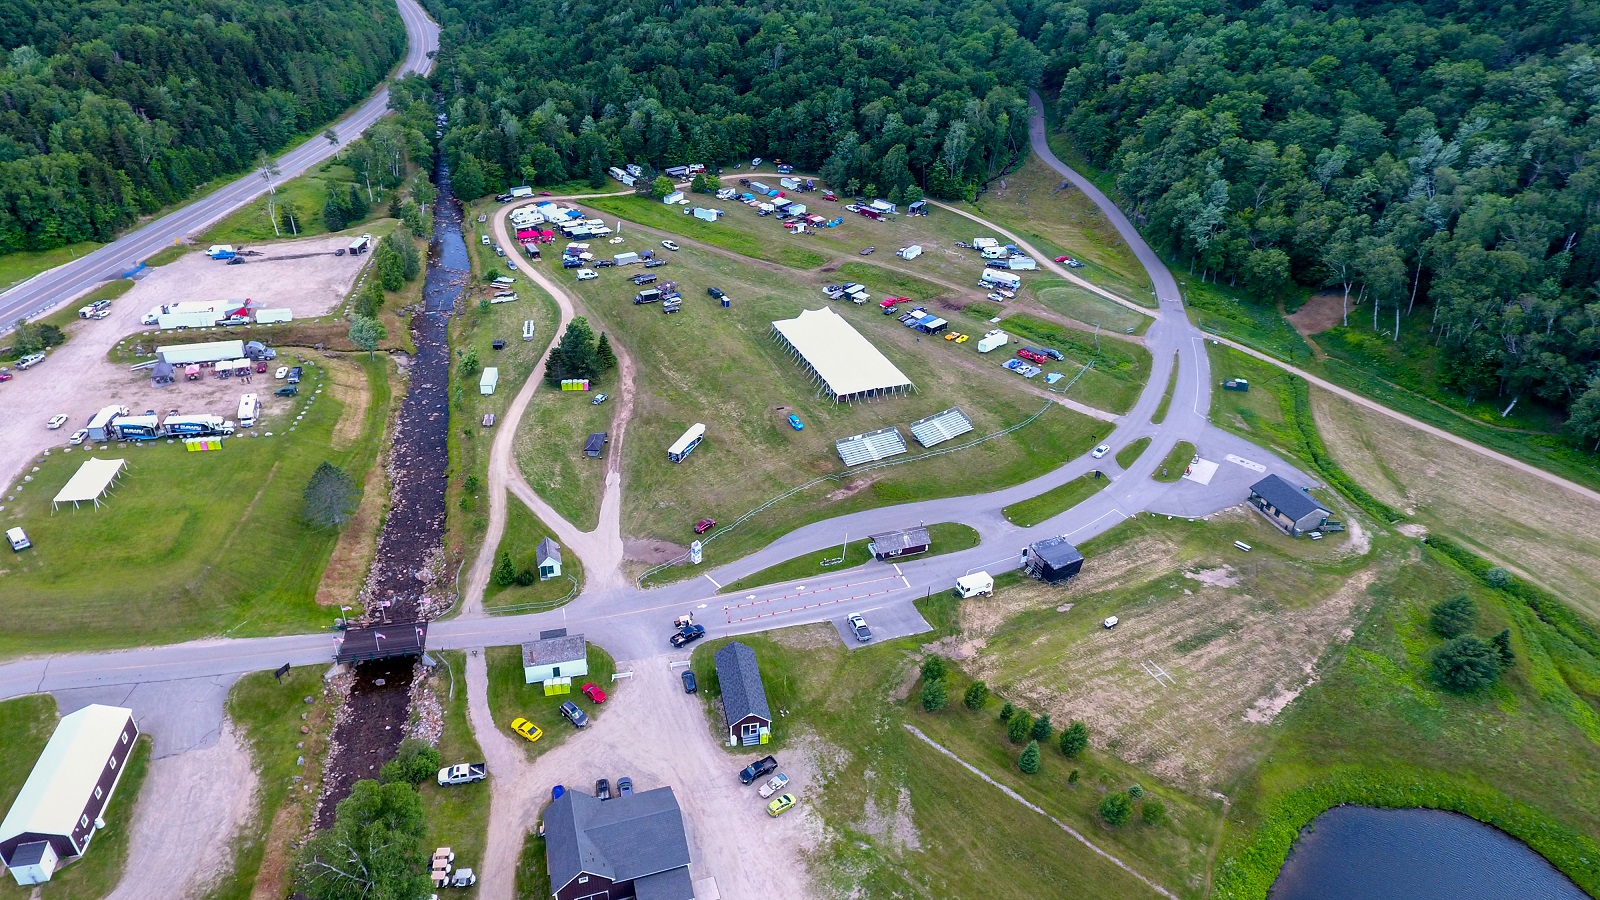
<point x="90" y="482"/>
<point x="838" y="358"/>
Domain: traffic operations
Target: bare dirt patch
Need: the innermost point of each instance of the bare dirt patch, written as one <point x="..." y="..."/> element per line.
<point x="1319" y="313"/>
<point x="348" y="384"/>
<point x="651" y="551"/>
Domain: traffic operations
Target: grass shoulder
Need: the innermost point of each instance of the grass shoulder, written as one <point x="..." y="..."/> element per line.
<point x="521" y="539"/>
<point x="1176" y="464"/>
<point x="947" y="537"/>
<point x="511" y="696"/>
<point x="1055" y="501"/>
<point x="1130" y="454"/>
<point x="18" y="266"/>
<point x="305" y="195"/>
<point x="457" y="815"/>
<point x="1120" y="368"/>
<point x="1160" y="414"/>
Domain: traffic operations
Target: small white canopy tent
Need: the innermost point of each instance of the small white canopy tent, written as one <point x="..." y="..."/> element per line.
<point x="92" y="480"/>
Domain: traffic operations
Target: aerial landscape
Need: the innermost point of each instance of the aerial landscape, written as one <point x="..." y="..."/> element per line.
<point x="799" y="450"/>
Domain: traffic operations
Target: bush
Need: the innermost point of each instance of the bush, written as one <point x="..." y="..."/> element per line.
<point x="934" y="668"/>
<point x="1497" y="577"/>
<point x="1135" y="791"/>
<point x="526" y="577"/>
<point x="1042" y="729"/>
<point x="1502" y="647"/>
<point x="1453" y="616"/>
<point x="977" y="695"/>
<point x="1074" y="739"/>
<point x="935" y="696"/>
<point x="1154" y="812"/>
<point x="1116" y="809"/>
<point x="1466" y="665"/>
<point x="1072" y="777"/>
<point x="469" y="362"/>
<point x="1018" y="726"/>
<point x="504" y="572"/>
<point x="1029" y="761"/>
<point x="1006" y="711"/>
<point x="415" y="763"/>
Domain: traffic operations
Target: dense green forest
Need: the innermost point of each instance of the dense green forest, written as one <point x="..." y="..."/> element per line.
<point x="1434" y="162"/>
<point x="109" y="110"/>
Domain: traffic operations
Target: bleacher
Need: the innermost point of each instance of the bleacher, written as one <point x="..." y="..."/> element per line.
<point x="941" y="427"/>
<point x="872" y="446"/>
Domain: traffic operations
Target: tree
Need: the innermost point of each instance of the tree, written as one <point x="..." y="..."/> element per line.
<point x="574" y="356"/>
<point x="1007" y="711"/>
<point x="267" y="168"/>
<point x="1502" y="648"/>
<point x="606" y="357"/>
<point x="1154" y="812"/>
<point x="414" y="763"/>
<point x="977" y="695"/>
<point x="934" y="668"/>
<point x="333" y="216"/>
<point x="370" y="299"/>
<point x="661" y="187"/>
<point x="504" y="571"/>
<point x="1116" y="809"/>
<point x="1029" y="761"/>
<point x="367" y="333"/>
<point x="1497" y="577"/>
<point x="1466" y="665"/>
<point x="1453" y="616"/>
<point x="1041" y="728"/>
<point x="1135" y="791"/>
<point x="1074" y="739"/>
<point x="388" y="267"/>
<point x="1019" y="725"/>
<point x="467" y="178"/>
<point x="329" y="497"/>
<point x="373" y="849"/>
<point x="290" y="214"/>
<point x="469" y="362"/>
<point x="935" y="696"/>
<point x="404" y="246"/>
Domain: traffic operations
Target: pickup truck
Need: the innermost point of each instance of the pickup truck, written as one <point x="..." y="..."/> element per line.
<point x="464" y="773"/>
<point x="29" y="361"/>
<point x="760" y="767"/>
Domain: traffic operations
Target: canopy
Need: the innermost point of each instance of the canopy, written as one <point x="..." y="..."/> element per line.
<point x="90" y="482"/>
<point x="846" y="365"/>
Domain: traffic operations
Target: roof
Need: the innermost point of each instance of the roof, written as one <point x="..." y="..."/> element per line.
<point x="673" y="884"/>
<point x="896" y="541"/>
<point x="547" y="549"/>
<point x="1286" y="498"/>
<point x="1056" y="552"/>
<point x="552" y="651"/>
<point x="65" y="776"/>
<point x="846" y="362"/>
<point x="30" y="854"/>
<point x="626" y="838"/>
<point x="742" y="692"/>
<point x="595" y="443"/>
<point x="90" y="481"/>
<point x="382" y="641"/>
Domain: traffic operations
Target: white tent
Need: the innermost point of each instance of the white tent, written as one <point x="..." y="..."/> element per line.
<point x="90" y="482"/>
<point x="846" y="364"/>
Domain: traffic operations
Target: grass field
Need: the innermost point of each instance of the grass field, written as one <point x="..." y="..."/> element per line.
<point x="197" y="555"/>
<point x="458" y="815"/>
<point x="1255" y="323"/>
<point x="523" y="533"/>
<point x="549" y="449"/>
<point x="1130" y="454"/>
<point x="1176" y="463"/>
<point x="27" y="723"/>
<point x="1160" y="415"/>
<point x="719" y="234"/>
<point x="18" y="267"/>
<point x="307" y="193"/>
<point x="510" y="696"/>
<point x="1086" y="306"/>
<point x="1055" y="501"/>
<point x="1120" y="368"/>
<point x="947" y="537"/>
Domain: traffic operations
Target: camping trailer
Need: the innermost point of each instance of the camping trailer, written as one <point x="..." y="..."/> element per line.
<point x="993" y="340"/>
<point x="978" y="584"/>
<point x="992" y="278"/>
<point x="249" y="408"/>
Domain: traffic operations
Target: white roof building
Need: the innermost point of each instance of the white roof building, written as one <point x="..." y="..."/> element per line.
<point x="845" y="365"/>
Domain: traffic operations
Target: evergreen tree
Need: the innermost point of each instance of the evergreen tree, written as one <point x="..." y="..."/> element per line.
<point x="329" y="498"/>
<point x="1019" y="726"/>
<point x="504" y="572"/>
<point x="1116" y="809"/>
<point x="1502" y="648"/>
<point x="333" y="212"/>
<point x="1466" y="665"/>
<point x="1029" y="761"/>
<point x="367" y="333"/>
<point x="355" y="206"/>
<point x="1007" y="711"/>
<point x="1453" y="616"/>
<point x="574" y="356"/>
<point x="935" y="696"/>
<point x="1074" y="739"/>
<point x="604" y="355"/>
<point x="977" y="695"/>
<point x="1041" y="730"/>
<point x="389" y="268"/>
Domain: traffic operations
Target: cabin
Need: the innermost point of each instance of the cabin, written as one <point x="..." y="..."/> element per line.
<point x="547" y="557"/>
<point x="744" y="697"/>
<point x="1286" y="506"/>
<point x="631" y="847"/>
<point x="895" y="544"/>
<point x="555" y="656"/>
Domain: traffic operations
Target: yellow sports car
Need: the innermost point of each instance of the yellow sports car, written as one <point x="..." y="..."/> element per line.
<point x="963" y="338"/>
<point x="952" y="335"/>
<point x="526" y="729"/>
<point x="781" y="805"/>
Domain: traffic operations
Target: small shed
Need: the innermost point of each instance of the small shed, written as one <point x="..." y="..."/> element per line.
<point x="489" y="381"/>
<point x="1052" y="560"/>
<point x="555" y="655"/>
<point x="744" y="697"/>
<point x="547" y="556"/>
<point x="1286" y="506"/>
<point x="596" y="444"/>
<point x="895" y="544"/>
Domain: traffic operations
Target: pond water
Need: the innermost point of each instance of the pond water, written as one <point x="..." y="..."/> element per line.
<point x="1360" y="853"/>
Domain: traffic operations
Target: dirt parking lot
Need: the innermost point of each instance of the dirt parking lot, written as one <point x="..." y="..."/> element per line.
<point x="77" y="379"/>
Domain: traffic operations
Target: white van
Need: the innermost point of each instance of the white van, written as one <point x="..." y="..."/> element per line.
<point x="978" y="584"/>
<point x="18" y="540"/>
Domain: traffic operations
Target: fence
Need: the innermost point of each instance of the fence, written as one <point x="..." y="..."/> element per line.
<point x="540" y="606"/>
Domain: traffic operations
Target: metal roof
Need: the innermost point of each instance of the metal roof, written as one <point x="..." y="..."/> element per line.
<point x="1286" y="498"/>
<point x="547" y="549"/>
<point x="941" y="427"/>
<point x="1056" y="552"/>
<point x="627" y="838"/>
<point x="897" y="541"/>
<point x="553" y="651"/>
<point x="64" y="778"/>
<point x="742" y="692"/>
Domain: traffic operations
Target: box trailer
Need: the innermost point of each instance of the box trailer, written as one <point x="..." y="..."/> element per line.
<point x="527" y="330"/>
<point x="911" y="252"/>
<point x="625" y="259"/>
<point x="1022" y="264"/>
<point x="993" y="278"/>
<point x="992" y="341"/>
<point x="522" y="191"/>
<point x="984" y="243"/>
<point x="685" y="445"/>
<point x="102" y="427"/>
<point x="489" y="381"/>
<point x="796" y="209"/>
<point x="274" y="316"/>
<point x="196" y="426"/>
<point x="249" y="409"/>
<point x="789" y="184"/>
<point x="136" y="428"/>
<point x="706" y="215"/>
<point x="673" y="197"/>
<point x="361" y="245"/>
<point x="978" y="584"/>
<point x="213" y="351"/>
<point x="188" y="319"/>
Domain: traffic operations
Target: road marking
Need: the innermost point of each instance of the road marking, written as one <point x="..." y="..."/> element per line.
<point x="804" y="607"/>
<point x="708" y="577"/>
<point x="800" y="592"/>
<point x="1248" y="464"/>
<point x="1116" y="512"/>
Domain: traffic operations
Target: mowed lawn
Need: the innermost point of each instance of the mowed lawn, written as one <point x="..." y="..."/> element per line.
<point x="947" y="537"/>
<point x="510" y="696"/>
<point x="549" y="448"/>
<point x="520" y="541"/>
<point x="188" y="544"/>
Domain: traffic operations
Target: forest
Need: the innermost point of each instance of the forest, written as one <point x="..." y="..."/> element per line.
<point x="112" y="110"/>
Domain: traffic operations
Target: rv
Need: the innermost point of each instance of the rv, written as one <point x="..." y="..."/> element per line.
<point x="993" y="278"/>
<point x="249" y="408"/>
<point x="196" y="426"/>
<point x="685" y="445"/>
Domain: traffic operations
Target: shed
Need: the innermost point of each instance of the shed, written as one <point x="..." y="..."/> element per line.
<point x="489" y="381"/>
<point x="993" y="340"/>
<point x="744" y="698"/>
<point x="62" y="804"/>
<point x="1287" y="506"/>
<point x="555" y="655"/>
<point x="596" y="444"/>
<point x="895" y="544"/>
<point x="547" y="556"/>
<point x="1052" y="560"/>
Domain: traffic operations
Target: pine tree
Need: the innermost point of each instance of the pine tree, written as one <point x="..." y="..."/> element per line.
<point x="504" y="572"/>
<point x="1007" y="711"/>
<point x="935" y="696"/>
<point x="604" y="354"/>
<point x="1502" y="645"/>
<point x="332" y="213"/>
<point x="977" y="695"/>
<point x="1029" y="761"/>
<point x="1074" y="739"/>
<point x="1041" y="728"/>
<point x="356" y="207"/>
<point x="1018" y="726"/>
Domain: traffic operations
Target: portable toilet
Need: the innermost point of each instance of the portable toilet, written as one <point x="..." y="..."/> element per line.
<point x="489" y="381"/>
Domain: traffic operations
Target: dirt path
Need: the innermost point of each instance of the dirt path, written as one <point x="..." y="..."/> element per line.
<point x="513" y="798"/>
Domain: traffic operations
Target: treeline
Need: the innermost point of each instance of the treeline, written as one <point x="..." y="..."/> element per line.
<point x="899" y="96"/>
<point x="1433" y="162"/>
<point x="113" y="110"/>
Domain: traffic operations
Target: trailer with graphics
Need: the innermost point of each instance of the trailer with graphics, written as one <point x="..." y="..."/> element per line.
<point x="685" y="445"/>
<point x="137" y="428"/>
<point x="196" y="426"/>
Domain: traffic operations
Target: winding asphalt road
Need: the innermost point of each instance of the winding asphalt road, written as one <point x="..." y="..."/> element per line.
<point x="56" y="287"/>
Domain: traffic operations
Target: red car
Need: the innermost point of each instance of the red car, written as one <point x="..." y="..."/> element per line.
<point x="1062" y="259"/>
<point x="704" y="525"/>
<point x="6" y="376"/>
<point x="593" y="692"/>
<point x="829" y="195"/>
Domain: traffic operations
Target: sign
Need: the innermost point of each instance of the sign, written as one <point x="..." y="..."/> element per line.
<point x="695" y="553"/>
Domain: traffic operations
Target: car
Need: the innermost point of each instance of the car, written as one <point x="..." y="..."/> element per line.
<point x="604" y="263"/>
<point x="653" y="263"/>
<point x="615" y="240"/>
<point x="1062" y="259"/>
<point x="704" y="525"/>
<point x="755" y="162"/>
<point x="687" y="635"/>
<point x="511" y="264"/>
<point x="527" y="729"/>
<point x="1054" y="354"/>
<point x="78" y="437"/>
<point x="1074" y="264"/>
<point x="670" y="245"/>
<point x="29" y="361"/>
<point x="716" y="293"/>
<point x="951" y="335"/>
<point x="486" y="241"/>
<point x="781" y="805"/>
<point x="830" y="195"/>
<point x="6" y="376"/>
<point x="624" y="786"/>
<point x="18" y="539"/>
<point x="868" y="251"/>
<point x="573" y="714"/>
<point x="785" y="169"/>
<point x="593" y="692"/>
<point x="295" y="373"/>
<point x="1101" y="450"/>
<point x="859" y="626"/>
<point x="795" y="423"/>
<point x="56" y="421"/>
<point x="963" y="338"/>
<point x="599" y="399"/>
<point x="602" y="789"/>
<point x="763" y="766"/>
<point x="282" y="373"/>
<point x="689" y="685"/>
<point x="774" y="784"/>
<point x="288" y="391"/>
<point x="587" y="275"/>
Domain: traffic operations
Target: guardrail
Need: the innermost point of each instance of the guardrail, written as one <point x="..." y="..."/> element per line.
<point x="540" y="606"/>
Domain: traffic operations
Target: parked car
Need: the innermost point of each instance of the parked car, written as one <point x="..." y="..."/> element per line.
<point x="78" y="437"/>
<point x="18" y="539"/>
<point x="763" y="766"/>
<point x="295" y="374"/>
<point x="704" y="525"/>
<point x="1053" y="354"/>
<point x="573" y="714"/>
<point x="1062" y="259"/>
<point x="830" y="195"/>
<point x="669" y="245"/>
<point x="687" y="635"/>
<point x="781" y="805"/>
<point x="282" y="373"/>
<point x="653" y="263"/>
<point x="527" y="729"/>
<point x="962" y="339"/>
<point x="29" y="361"/>
<point x="463" y="773"/>
<point x="868" y="251"/>
<point x="602" y="789"/>
<point x="785" y="169"/>
<point x="624" y="786"/>
<point x="859" y="626"/>
<point x="716" y="293"/>
<point x="587" y="275"/>
<point x="1101" y="450"/>
<point x="689" y="685"/>
<point x="774" y="784"/>
<point x="795" y="423"/>
<point x="755" y="162"/>
<point x="593" y="692"/>
<point x="56" y="421"/>
<point x="599" y="399"/>
<point x="604" y="263"/>
<point x="288" y="391"/>
<point x="486" y="241"/>
<point x="644" y="278"/>
<point x="6" y="376"/>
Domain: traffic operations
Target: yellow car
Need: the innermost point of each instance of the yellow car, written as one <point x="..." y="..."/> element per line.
<point x="781" y="805"/>
<point x="963" y="338"/>
<point x="526" y="729"/>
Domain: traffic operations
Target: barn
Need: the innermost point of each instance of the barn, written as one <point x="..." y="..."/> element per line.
<point x="744" y="697"/>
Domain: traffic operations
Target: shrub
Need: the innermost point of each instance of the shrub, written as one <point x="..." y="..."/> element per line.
<point x="1135" y="791"/>
<point x="414" y="763"/>
<point x="1074" y="739"/>
<point x="977" y="695"/>
<point x="469" y="362"/>
<point x="526" y="577"/>
<point x="935" y="696"/>
<point x="1497" y="577"/>
<point x="1006" y="711"/>
<point x="1502" y="647"/>
<point x="1154" y="812"/>
<point x="1454" y="616"/>
<point x="1029" y="761"/>
<point x="1072" y="777"/>
<point x="1018" y="726"/>
<point x="1042" y="729"/>
<point x="1116" y="809"/>
<point x="1466" y="665"/>
<point x="934" y="668"/>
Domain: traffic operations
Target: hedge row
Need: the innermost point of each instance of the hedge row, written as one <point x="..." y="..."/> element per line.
<point x="1547" y="606"/>
<point x="1312" y="449"/>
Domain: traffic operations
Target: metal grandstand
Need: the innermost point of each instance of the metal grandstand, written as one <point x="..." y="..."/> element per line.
<point x="871" y="446"/>
<point x="941" y="427"/>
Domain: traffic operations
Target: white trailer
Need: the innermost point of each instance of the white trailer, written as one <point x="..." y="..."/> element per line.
<point x="1022" y="264"/>
<point x="911" y="252"/>
<point x="625" y="259"/>
<point x="361" y="245"/>
<point x="102" y="427"/>
<point x="274" y="316"/>
<point x="188" y="319"/>
<point x="214" y="351"/>
<point x="993" y="340"/>
<point x="993" y="278"/>
<point x="685" y="445"/>
<point x="984" y="243"/>
<point x="978" y="584"/>
<point x="249" y="408"/>
<point x="489" y="381"/>
<point x="522" y="191"/>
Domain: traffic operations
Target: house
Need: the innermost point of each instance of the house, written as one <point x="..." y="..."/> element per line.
<point x="1052" y="560"/>
<point x="62" y="805"/>
<point x="1287" y="506"/>
<point x="596" y="444"/>
<point x="744" y="699"/>
<point x="895" y="544"/>
<point x="555" y="656"/>
<point x="547" y="556"/>
<point x="631" y="847"/>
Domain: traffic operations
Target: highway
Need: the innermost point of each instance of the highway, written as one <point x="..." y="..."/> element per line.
<point x="56" y="287"/>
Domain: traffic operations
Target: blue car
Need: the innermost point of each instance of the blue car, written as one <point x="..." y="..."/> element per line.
<point x="795" y="423"/>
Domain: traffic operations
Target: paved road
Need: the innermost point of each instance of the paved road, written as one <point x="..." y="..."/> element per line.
<point x="56" y="287"/>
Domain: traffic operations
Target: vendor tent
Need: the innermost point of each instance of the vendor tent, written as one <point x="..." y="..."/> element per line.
<point x="92" y="480"/>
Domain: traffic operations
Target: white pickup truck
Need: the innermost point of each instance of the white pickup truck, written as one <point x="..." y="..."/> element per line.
<point x="464" y="773"/>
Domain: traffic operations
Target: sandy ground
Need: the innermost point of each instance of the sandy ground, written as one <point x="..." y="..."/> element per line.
<point x="189" y="809"/>
<point x="78" y="380"/>
<point x="737" y="851"/>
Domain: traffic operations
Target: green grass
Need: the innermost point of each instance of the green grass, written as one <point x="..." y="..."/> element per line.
<point x="549" y="449"/>
<point x="1251" y="322"/>
<point x="510" y="696"/>
<point x="199" y="556"/>
<point x="781" y="677"/>
<point x="458" y="815"/>
<point x="1130" y="454"/>
<point x="308" y="193"/>
<point x="1176" y="463"/>
<point x="27" y="723"/>
<point x="1055" y="501"/>
<point x="523" y="533"/>
<point x="18" y="267"/>
<point x="656" y="214"/>
<point x="889" y="282"/>
<point x="533" y="872"/>
<point x="1166" y="396"/>
<point x="947" y="537"/>
<point x="1077" y="302"/>
<point x="1120" y="368"/>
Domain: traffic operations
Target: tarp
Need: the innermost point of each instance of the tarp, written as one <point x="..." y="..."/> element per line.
<point x="845" y="362"/>
<point x="90" y="482"/>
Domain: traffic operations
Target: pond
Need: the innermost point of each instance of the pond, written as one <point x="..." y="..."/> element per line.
<point x="1360" y="853"/>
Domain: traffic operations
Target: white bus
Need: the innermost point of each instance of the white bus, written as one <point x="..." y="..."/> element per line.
<point x="685" y="445"/>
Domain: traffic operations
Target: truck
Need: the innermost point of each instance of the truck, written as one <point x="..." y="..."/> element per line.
<point x="977" y="584"/>
<point x="249" y="408"/>
<point x="463" y="773"/>
<point x="29" y="361"/>
<point x="196" y="426"/>
<point x="221" y="251"/>
<point x="136" y="428"/>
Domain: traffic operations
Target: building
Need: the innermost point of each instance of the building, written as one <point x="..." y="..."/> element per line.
<point x="555" y="656"/>
<point x="744" y="698"/>
<point x="62" y="805"/>
<point x="547" y="557"/>
<point x="895" y="544"/>
<point x="631" y="847"/>
<point x="1052" y="560"/>
<point x="1287" y="506"/>
<point x="844" y="364"/>
<point x="489" y="381"/>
